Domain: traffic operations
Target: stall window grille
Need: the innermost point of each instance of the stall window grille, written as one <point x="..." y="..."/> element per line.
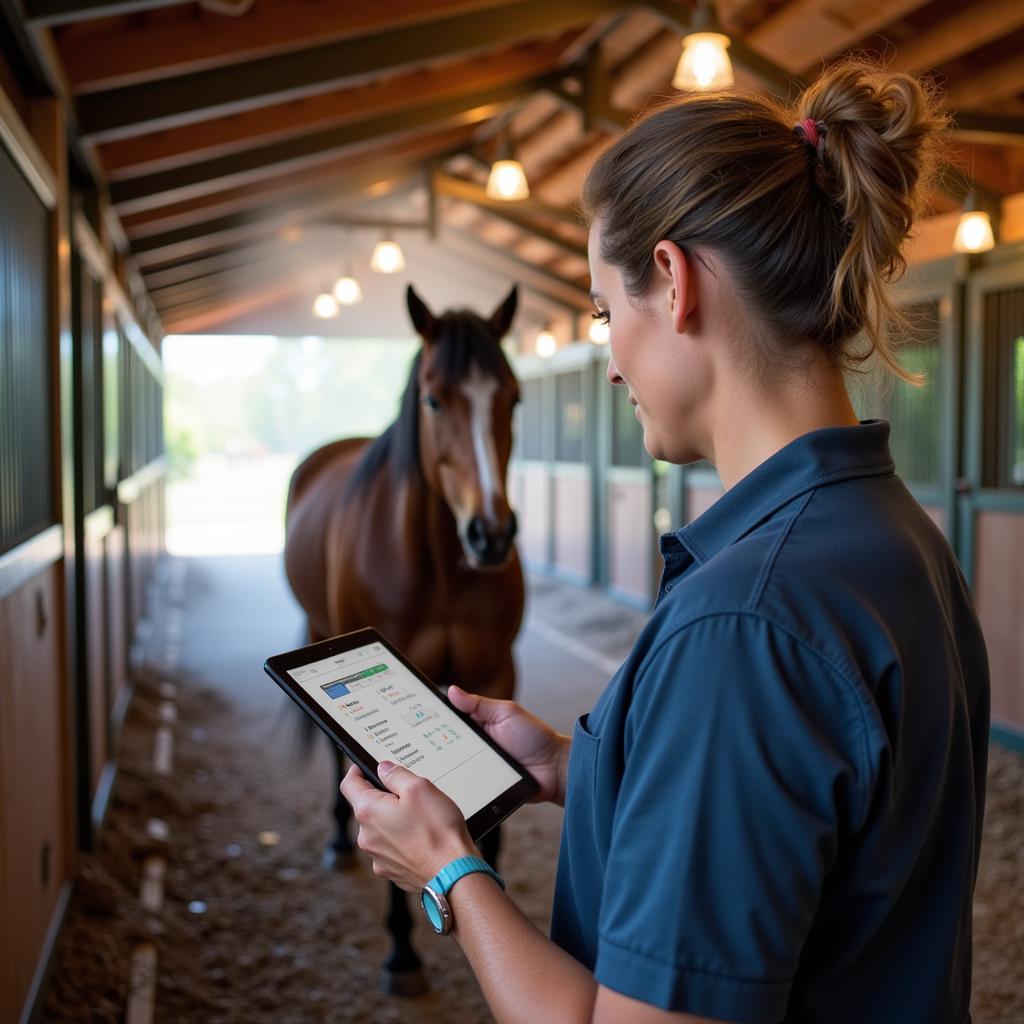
<point x="627" y="432"/>
<point x="914" y="413"/>
<point x="26" y="452"/>
<point x="530" y="432"/>
<point x="1003" y="464"/>
<point x="571" y="423"/>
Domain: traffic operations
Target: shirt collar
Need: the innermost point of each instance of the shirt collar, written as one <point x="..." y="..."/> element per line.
<point x="820" y="457"/>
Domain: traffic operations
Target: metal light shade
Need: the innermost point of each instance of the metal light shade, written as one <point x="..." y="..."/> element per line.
<point x="507" y="180"/>
<point x="387" y="257"/>
<point x="325" y="306"/>
<point x="704" y="63"/>
<point x="347" y="291"/>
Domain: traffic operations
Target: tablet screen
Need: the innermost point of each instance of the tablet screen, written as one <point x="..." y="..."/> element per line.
<point x="394" y="716"/>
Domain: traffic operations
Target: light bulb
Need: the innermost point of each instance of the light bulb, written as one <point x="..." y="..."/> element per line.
<point x="507" y="180"/>
<point x="600" y="332"/>
<point x="704" y="62"/>
<point x="325" y="306"/>
<point x="974" y="232"/>
<point x="546" y="344"/>
<point x="347" y="290"/>
<point x="387" y="257"/>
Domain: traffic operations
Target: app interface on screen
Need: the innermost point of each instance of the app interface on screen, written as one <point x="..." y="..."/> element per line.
<point x="394" y="717"/>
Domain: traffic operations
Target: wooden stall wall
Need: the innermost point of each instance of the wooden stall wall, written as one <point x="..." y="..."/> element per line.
<point x="992" y="492"/>
<point x="36" y="839"/>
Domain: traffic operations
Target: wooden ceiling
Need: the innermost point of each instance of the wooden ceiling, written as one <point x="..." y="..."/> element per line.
<point x="223" y="130"/>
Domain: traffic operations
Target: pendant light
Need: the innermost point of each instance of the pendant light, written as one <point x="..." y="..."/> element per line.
<point x="325" y="306"/>
<point x="704" y="62"/>
<point x="974" y="230"/>
<point x="346" y="289"/>
<point x="507" y="179"/>
<point x="387" y="257"/>
<point x="546" y="343"/>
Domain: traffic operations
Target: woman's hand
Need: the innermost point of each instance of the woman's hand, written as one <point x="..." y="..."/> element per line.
<point x="410" y="832"/>
<point x="543" y="752"/>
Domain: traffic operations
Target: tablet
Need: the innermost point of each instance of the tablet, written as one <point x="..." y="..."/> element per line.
<point x="377" y="706"/>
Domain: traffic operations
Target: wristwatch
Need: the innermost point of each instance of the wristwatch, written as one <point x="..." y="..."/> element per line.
<point x="432" y="896"/>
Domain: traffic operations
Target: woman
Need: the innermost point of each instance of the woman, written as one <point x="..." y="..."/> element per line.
<point x="773" y="811"/>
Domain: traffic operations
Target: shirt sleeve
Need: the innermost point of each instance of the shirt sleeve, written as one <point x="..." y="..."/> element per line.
<point x="744" y="760"/>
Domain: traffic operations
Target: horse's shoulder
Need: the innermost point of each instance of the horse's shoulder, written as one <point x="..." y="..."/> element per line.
<point x="333" y="455"/>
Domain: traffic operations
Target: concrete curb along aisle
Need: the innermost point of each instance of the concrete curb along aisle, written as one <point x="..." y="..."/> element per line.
<point x="160" y="653"/>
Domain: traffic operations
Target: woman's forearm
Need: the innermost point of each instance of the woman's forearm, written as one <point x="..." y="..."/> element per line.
<point x="563" y="769"/>
<point x="523" y="974"/>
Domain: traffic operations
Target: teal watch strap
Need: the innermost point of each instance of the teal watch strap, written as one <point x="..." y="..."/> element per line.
<point x="440" y="885"/>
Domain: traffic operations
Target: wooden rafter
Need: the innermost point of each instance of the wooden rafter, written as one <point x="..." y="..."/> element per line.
<point x="287" y="186"/>
<point x="60" y="12"/>
<point x="212" y="175"/>
<point x="960" y="32"/>
<point x="258" y="224"/>
<point x="222" y="135"/>
<point x="184" y="99"/>
<point x="108" y="56"/>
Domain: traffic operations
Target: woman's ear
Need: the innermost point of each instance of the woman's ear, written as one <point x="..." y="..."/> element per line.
<point x="675" y="282"/>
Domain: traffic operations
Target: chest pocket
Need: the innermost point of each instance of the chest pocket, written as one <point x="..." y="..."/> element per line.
<point x="581" y="780"/>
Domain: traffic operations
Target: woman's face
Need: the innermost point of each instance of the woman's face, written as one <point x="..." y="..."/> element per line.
<point x="665" y="372"/>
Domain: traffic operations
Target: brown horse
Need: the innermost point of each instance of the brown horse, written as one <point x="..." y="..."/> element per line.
<point x="412" y="533"/>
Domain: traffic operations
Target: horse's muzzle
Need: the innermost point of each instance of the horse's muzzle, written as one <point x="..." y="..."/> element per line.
<point x="490" y="543"/>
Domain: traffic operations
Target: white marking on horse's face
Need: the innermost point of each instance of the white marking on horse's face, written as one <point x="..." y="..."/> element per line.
<point x="480" y="392"/>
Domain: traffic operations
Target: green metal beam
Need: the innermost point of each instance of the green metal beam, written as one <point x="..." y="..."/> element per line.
<point x="60" y="12"/>
<point x="130" y="110"/>
<point x="205" y="176"/>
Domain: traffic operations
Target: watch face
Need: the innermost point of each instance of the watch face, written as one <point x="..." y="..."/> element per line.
<point x="435" y="906"/>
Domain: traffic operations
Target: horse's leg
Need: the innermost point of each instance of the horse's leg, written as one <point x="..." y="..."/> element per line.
<point x="490" y="845"/>
<point x="403" y="971"/>
<point x="339" y="853"/>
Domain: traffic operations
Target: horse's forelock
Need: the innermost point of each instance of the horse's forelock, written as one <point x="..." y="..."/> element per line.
<point x="464" y="340"/>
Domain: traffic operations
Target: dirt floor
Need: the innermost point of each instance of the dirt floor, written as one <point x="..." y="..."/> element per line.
<point x="253" y="933"/>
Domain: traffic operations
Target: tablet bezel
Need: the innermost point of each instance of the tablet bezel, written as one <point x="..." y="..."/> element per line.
<point x="278" y="665"/>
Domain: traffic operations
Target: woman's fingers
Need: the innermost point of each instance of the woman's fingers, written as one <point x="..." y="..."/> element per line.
<point x="483" y="709"/>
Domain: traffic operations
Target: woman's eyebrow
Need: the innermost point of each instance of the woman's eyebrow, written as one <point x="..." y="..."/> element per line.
<point x="594" y="296"/>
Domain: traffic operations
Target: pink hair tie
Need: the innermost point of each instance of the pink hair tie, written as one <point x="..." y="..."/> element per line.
<point x="810" y="129"/>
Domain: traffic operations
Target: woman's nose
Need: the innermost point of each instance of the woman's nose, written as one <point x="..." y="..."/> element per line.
<point x="613" y="372"/>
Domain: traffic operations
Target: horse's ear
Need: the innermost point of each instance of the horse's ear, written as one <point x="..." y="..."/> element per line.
<point x="501" y="318"/>
<point x="422" y="319"/>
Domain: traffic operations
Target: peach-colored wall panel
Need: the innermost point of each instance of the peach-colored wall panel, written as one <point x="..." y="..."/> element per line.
<point x="700" y="499"/>
<point x="999" y="592"/>
<point x="573" y="524"/>
<point x="630" y="537"/>
<point x="534" y="514"/>
<point x="937" y="514"/>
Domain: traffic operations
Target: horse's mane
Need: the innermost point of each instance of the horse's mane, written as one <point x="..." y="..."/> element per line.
<point x="463" y="340"/>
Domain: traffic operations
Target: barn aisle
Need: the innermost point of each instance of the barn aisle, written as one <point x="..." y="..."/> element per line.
<point x="250" y="927"/>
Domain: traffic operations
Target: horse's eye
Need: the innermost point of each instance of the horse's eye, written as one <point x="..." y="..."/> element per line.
<point x="432" y="403"/>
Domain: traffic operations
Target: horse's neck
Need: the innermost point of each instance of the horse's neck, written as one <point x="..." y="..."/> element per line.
<point x="425" y="531"/>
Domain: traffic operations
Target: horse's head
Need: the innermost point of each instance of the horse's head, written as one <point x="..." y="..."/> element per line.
<point x="466" y="391"/>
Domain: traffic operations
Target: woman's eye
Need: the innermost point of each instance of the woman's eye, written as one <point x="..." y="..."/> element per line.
<point x="602" y="315"/>
<point x="432" y="403"/>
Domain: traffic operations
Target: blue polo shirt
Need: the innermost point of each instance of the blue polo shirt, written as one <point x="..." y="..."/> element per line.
<point x="773" y="812"/>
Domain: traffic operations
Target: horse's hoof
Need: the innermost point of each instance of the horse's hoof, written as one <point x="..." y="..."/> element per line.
<point x="403" y="983"/>
<point x="334" y="859"/>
